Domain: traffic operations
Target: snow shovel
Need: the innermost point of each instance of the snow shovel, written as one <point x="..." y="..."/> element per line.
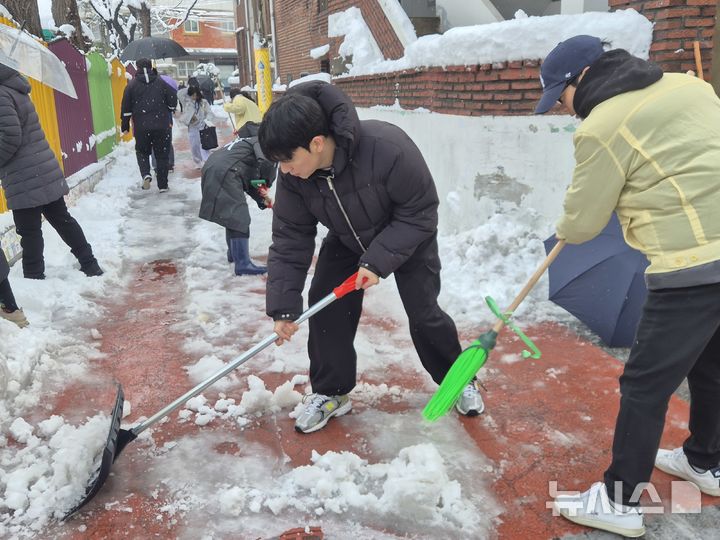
<point x="119" y="438"/>
<point x="474" y="357"/>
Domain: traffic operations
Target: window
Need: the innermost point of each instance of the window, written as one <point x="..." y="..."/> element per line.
<point x="227" y="26"/>
<point x="185" y="68"/>
<point x="322" y="5"/>
<point x="325" y="66"/>
<point x="191" y="26"/>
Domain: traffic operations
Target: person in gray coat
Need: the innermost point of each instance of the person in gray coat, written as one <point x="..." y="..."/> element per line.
<point x="368" y="183"/>
<point x="225" y="180"/>
<point x="33" y="182"/>
<point x="8" y="307"/>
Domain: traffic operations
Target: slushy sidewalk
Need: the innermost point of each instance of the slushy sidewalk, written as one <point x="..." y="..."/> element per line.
<point x="548" y="422"/>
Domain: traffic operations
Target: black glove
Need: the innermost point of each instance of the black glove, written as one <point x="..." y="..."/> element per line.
<point x="125" y="124"/>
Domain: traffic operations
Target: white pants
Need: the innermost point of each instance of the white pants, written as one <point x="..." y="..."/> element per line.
<point x="199" y="154"/>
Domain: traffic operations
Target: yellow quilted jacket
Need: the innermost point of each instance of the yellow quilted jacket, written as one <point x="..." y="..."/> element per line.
<point x="653" y="156"/>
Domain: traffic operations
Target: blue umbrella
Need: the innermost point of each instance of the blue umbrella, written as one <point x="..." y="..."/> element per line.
<point x="601" y="282"/>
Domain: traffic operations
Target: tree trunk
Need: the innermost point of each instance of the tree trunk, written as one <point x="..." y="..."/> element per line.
<point x="66" y="12"/>
<point x="143" y="16"/>
<point x="715" y="65"/>
<point x="25" y="11"/>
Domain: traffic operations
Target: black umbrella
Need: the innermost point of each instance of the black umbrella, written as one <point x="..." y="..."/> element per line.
<point x="152" y="47"/>
<point x="602" y="283"/>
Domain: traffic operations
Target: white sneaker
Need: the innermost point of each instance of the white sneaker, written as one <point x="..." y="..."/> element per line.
<point x="146" y="182"/>
<point x="319" y="410"/>
<point x="594" y="508"/>
<point x="675" y="462"/>
<point x="470" y="403"/>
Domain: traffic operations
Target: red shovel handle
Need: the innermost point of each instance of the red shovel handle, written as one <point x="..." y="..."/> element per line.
<point x="347" y="286"/>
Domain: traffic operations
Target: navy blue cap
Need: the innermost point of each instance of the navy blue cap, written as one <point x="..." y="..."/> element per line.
<point x="565" y="62"/>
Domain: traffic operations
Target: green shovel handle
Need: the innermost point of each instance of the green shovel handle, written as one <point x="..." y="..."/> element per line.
<point x="505" y="318"/>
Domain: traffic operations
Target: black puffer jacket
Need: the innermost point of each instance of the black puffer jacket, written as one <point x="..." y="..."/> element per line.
<point x="226" y="178"/>
<point x="383" y="184"/>
<point x="149" y="101"/>
<point x="30" y="173"/>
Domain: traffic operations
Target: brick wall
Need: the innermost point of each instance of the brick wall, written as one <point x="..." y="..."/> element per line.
<point x="510" y="88"/>
<point x="677" y="24"/>
<point x="301" y="27"/>
<point x="206" y="37"/>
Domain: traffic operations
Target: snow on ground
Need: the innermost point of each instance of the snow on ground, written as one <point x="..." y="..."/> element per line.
<point x="47" y="459"/>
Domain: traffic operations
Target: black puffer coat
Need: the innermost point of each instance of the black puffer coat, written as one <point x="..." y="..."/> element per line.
<point x="30" y="173"/>
<point x="384" y="186"/>
<point x="226" y="178"/>
<point x="149" y="101"/>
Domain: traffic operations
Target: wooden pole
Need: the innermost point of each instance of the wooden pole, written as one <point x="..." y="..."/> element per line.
<point x="698" y="61"/>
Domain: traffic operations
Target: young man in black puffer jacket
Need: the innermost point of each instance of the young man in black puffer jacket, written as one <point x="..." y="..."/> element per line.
<point x="33" y="182"/>
<point x="369" y="185"/>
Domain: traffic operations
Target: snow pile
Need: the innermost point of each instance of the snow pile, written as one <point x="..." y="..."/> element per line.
<point x="45" y="470"/>
<point x="359" y="42"/>
<point x="505" y="41"/>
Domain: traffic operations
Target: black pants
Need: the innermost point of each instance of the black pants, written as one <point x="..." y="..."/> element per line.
<point x="677" y="337"/>
<point x="28" y="225"/>
<point x="333" y="360"/>
<point x="156" y="141"/>
<point x="7" y="298"/>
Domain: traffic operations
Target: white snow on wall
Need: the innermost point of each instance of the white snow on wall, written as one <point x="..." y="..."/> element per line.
<point x="400" y="22"/>
<point x="319" y="52"/>
<point x="517" y="39"/>
<point x="501" y="164"/>
<point x="359" y="41"/>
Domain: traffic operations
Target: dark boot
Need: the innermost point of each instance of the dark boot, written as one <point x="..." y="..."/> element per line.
<point x="92" y="268"/>
<point x="241" y="255"/>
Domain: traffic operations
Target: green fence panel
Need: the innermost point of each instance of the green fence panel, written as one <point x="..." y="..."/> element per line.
<point x="101" y="103"/>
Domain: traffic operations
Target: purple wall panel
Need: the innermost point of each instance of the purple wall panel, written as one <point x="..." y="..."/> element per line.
<point x="74" y="115"/>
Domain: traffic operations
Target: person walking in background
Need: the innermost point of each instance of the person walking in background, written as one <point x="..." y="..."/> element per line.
<point x="171" y="155"/>
<point x="33" y="182"/>
<point x="648" y="148"/>
<point x="225" y="180"/>
<point x="8" y="307"/>
<point x="368" y="183"/>
<point x="149" y="101"/>
<point x="196" y="110"/>
<point x="243" y="108"/>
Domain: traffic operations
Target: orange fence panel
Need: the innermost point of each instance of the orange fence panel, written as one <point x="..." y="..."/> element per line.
<point x="118" y="82"/>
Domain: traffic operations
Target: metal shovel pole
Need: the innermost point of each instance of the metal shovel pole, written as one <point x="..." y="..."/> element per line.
<point x="329" y="299"/>
<point x="119" y="438"/>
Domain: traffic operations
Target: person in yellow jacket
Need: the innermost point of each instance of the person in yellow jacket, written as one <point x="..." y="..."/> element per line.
<point x="648" y="148"/>
<point x="242" y="108"/>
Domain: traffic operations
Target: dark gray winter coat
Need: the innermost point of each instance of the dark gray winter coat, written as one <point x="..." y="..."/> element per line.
<point x="226" y="178"/>
<point x="29" y="171"/>
<point x="384" y="186"/>
<point x="149" y="101"/>
<point x="4" y="266"/>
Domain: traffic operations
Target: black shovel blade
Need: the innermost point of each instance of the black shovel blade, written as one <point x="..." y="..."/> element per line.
<point x="109" y="453"/>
